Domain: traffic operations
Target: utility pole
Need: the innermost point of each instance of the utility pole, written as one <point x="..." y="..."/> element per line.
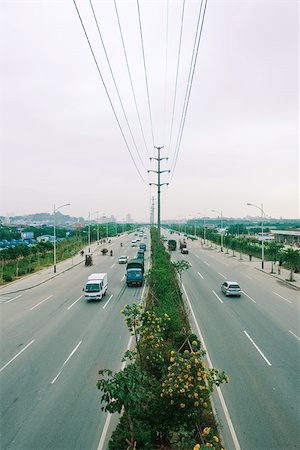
<point x="158" y="184"/>
<point x="152" y="212"/>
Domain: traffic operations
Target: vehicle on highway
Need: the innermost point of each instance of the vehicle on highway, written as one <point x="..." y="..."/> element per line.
<point x="172" y="244"/>
<point x="135" y="272"/>
<point x="134" y="277"/>
<point x="140" y="254"/>
<point x="123" y="259"/>
<point x="133" y="243"/>
<point x="231" y="288"/>
<point x="96" y="286"/>
<point x="184" y="251"/>
<point x="143" y="246"/>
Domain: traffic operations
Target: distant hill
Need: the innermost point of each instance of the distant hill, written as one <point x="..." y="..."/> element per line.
<point x="42" y="218"/>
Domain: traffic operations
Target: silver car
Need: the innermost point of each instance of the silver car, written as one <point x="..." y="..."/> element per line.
<point x="231" y="288"/>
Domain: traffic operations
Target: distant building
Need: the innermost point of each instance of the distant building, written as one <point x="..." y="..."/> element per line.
<point x="45" y="238"/>
<point x="287" y="237"/>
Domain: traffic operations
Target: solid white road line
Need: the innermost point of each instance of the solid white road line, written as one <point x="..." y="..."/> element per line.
<point x="200" y="275"/>
<point x="113" y="265"/>
<point x="62" y="367"/>
<point x="249" y="297"/>
<point x="297" y="337"/>
<point x="108" y="301"/>
<point x="38" y="304"/>
<point x="206" y="263"/>
<point x="12" y="359"/>
<point x="285" y="299"/>
<point x="218" y="297"/>
<point x="257" y="348"/>
<point x="12" y="299"/>
<point x="108" y="418"/>
<point x="74" y="303"/>
<point x="219" y="392"/>
<point x="123" y="278"/>
<point x="222" y="275"/>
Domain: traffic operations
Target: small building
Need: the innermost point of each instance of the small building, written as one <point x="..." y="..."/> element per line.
<point x="45" y="238"/>
<point x="287" y="237"/>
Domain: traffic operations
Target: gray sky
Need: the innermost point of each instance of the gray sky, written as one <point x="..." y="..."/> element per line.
<point x="60" y="141"/>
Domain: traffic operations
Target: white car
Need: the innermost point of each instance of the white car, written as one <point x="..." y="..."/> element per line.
<point x="133" y="243"/>
<point x="231" y="288"/>
<point x="123" y="259"/>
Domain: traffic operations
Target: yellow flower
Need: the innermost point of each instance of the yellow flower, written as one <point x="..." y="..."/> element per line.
<point x="215" y="438"/>
<point x="182" y="405"/>
<point x="196" y="404"/>
<point x="171" y="359"/>
<point x="196" y="447"/>
<point x="205" y="404"/>
<point x="206" y="431"/>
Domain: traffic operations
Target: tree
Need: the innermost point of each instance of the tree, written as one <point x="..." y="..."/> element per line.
<point x="291" y="258"/>
<point x="180" y="267"/>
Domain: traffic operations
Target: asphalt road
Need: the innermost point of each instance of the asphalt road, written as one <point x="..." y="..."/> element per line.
<point x="256" y="340"/>
<point x="53" y="343"/>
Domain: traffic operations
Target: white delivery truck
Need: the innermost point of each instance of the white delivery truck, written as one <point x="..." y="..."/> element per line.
<point x="96" y="286"/>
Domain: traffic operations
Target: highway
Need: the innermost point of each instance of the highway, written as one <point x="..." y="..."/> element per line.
<point x="53" y="343"/>
<point x="255" y="339"/>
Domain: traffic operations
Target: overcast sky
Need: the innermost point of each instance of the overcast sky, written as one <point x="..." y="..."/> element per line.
<point x="61" y="142"/>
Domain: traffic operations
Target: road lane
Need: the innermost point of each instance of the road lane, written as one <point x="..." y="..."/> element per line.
<point x="49" y="391"/>
<point x="260" y="397"/>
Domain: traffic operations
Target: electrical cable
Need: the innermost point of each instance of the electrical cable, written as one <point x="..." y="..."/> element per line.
<point x="145" y="71"/>
<point x="115" y="83"/>
<point x="166" y="73"/>
<point x="130" y="77"/>
<point x="189" y="87"/>
<point x="177" y="71"/>
<point x="107" y="93"/>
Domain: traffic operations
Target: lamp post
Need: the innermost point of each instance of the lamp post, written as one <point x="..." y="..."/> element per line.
<point x="221" y="215"/>
<point x="261" y="208"/>
<point x="54" y="234"/>
<point x="204" y="229"/>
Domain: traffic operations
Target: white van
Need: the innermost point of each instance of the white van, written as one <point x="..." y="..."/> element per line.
<point x="96" y="286"/>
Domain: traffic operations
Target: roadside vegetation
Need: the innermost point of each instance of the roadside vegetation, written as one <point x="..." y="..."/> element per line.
<point x="163" y="393"/>
<point x="21" y="260"/>
<point x="239" y="245"/>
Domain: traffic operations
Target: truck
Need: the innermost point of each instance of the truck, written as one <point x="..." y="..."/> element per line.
<point x="172" y="244"/>
<point x="143" y="246"/>
<point x="182" y="244"/>
<point x="135" y="272"/>
<point x="140" y="254"/>
<point x="96" y="286"/>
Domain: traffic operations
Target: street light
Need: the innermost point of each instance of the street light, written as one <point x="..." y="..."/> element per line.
<point x="204" y="229"/>
<point x="261" y="208"/>
<point x="221" y="214"/>
<point x="54" y="234"/>
<point x="89" y="229"/>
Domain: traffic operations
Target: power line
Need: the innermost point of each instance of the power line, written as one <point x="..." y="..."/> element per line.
<point x="177" y="71"/>
<point x="130" y="78"/>
<point x="115" y="83"/>
<point x="145" y="71"/>
<point x="107" y="93"/>
<point x="189" y="85"/>
<point x="166" y="69"/>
